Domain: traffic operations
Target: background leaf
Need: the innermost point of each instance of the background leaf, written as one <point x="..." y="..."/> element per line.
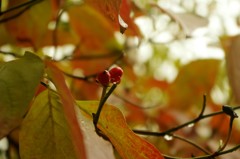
<point x="23" y="29"/>
<point x="193" y="81"/>
<point x="94" y="31"/>
<point x="18" y="82"/>
<point x="113" y="125"/>
<point x="231" y="47"/>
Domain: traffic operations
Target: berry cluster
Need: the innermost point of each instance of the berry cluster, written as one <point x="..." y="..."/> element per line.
<point x="112" y="76"/>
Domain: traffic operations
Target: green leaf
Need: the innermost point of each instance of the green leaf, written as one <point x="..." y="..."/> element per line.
<point x="45" y="133"/>
<point x="113" y="125"/>
<point x="18" y="82"/>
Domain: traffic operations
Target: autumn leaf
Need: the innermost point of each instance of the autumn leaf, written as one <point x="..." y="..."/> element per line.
<point x="114" y="126"/>
<point x="45" y="133"/>
<point x="189" y="22"/>
<point x="95" y="32"/>
<point x="23" y="28"/>
<point x="68" y="107"/>
<point x="125" y="21"/>
<point x="108" y="8"/>
<point x="117" y="12"/>
<point x="18" y="82"/>
<point x="231" y="46"/>
<point x="193" y="81"/>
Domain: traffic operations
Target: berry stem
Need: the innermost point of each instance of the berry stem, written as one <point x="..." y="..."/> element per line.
<point x="104" y="98"/>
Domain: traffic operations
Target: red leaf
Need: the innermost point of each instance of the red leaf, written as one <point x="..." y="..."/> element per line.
<point x="69" y="108"/>
<point x="124" y="12"/>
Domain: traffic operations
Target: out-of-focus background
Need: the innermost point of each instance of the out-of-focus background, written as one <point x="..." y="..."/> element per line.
<point x="175" y="51"/>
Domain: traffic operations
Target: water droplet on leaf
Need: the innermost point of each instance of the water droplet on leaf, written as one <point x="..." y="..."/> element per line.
<point x="190" y="125"/>
<point x="168" y="137"/>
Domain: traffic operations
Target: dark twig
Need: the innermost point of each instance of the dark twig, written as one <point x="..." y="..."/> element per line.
<point x="9" y="53"/>
<point x="54" y="34"/>
<point x="132" y="103"/>
<point x="180" y="126"/>
<point x="89" y="57"/>
<point x="102" y="102"/>
<point x="200" y="117"/>
<point x="92" y="76"/>
<point x="208" y="156"/>
<point x="26" y="6"/>
<point x="96" y="116"/>
<point x="191" y="142"/>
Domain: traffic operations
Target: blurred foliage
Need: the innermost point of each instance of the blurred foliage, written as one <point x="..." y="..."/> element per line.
<point x="172" y="52"/>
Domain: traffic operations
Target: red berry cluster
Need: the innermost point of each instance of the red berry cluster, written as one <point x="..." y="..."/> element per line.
<point x="112" y="76"/>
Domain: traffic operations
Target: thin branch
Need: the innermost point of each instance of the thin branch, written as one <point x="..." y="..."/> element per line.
<point x="222" y="147"/>
<point x="182" y="125"/>
<point x="192" y="143"/>
<point x="54" y="35"/>
<point x="203" y="106"/>
<point x="17" y="7"/>
<point x="89" y="57"/>
<point x="84" y="78"/>
<point x="200" y="116"/>
<point x="9" y="53"/>
<point x="29" y="5"/>
<point x="89" y="77"/>
<point x="96" y="116"/>
<point x="207" y="156"/>
<point x="133" y="104"/>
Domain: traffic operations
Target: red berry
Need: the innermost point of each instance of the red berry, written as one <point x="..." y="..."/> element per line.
<point x="104" y="78"/>
<point x="116" y="74"/>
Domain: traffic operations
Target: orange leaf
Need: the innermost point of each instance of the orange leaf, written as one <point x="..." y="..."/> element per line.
<point x="113" y="125"/>
<point x="117" y="12"/>
<point x="193" y="81"/>
<point x="124" y="11"/>
<point x="94" y="30"/>
<point x="69" y="108"/>
<point x="23" y="28"/>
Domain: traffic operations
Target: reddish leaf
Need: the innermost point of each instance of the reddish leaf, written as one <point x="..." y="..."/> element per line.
<point x="95" y="32"/>
<point x="118" y="14"/>
<point x="23" y="28"/>
<point x="108" y="8"/>
<point x="69" y="109"/>
<point x="113" y="125"/>
<point x="124" y="12"/>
